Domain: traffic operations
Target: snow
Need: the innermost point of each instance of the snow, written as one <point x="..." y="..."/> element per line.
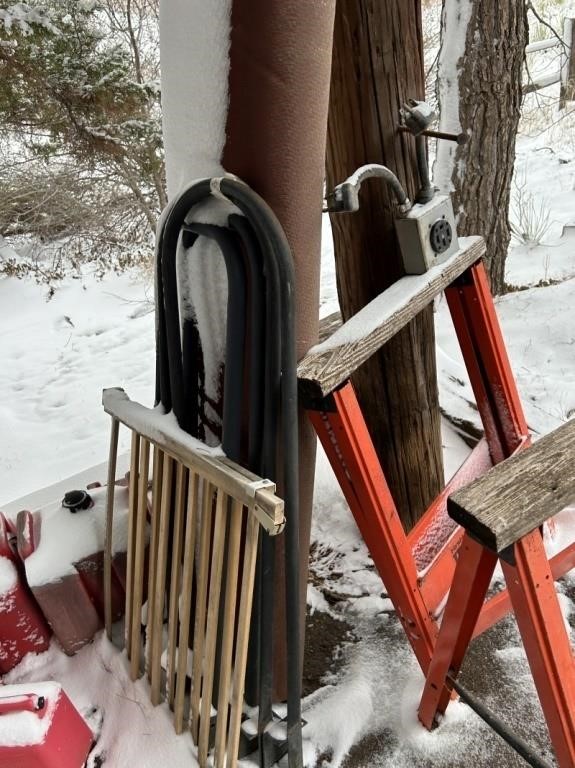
<point x="154" y="422"/>
<point x="97" y="681"/>
<point x="8" y="576"/>
<point x="194" y="96"/>
<point x="18" y="729"/>
<point x="195" y="106"/>
<point x="109" y="341"/>
<point x="456" y="18"/>
<point x="58" y="355"/>
<point x="65" y="538"/>
<point x="385" y="305"/>
<point x="22" y="17"/>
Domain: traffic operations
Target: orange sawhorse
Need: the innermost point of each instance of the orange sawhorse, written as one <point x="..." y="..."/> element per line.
<point x="416" y="572"/>
<point x="535" y="485"/>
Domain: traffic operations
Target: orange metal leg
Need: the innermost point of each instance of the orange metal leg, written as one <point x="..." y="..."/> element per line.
<point x="436" y="538"/>
<point x="348" y="445"/>
<point x="497" y="607"/>
<point x="473" y="573"/>
<point x="479" y="333"/>
<point x="341" y="428"/>
<point x="534" y="600"/>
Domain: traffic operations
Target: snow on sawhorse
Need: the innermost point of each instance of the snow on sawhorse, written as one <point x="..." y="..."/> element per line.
<point x="419" y="569"/>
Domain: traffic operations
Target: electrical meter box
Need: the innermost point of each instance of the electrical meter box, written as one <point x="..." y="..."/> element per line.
<point x="427" y="235"/>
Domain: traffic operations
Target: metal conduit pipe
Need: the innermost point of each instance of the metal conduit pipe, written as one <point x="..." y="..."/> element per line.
<point x="495" y="723"/>
<point x="426" y="190"/>
<point x="345" y="196"/>
<point x="261" y="681"/>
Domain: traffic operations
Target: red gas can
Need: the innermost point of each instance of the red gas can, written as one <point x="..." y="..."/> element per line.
<point x="23" y="628"/>
<point x="62" y="550"/>
<point x="40" y="728"/>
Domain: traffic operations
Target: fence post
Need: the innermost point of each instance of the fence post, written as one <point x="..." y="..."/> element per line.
<point x="567" y="92"/>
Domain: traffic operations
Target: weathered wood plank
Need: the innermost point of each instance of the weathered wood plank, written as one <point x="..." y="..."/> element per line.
<point x="234" y="480"/>
<point x="139" y="558"/>
<point x="158" y="595"/>
<point x="242" y="639"/>
<point x="186" y="601"/>
<point x="175" y="577"/>
<point x="201" y="607"/>
<point x="232" y="567"/>
<point x="211" y="640"/>
<point x="332" y="362"/>
<point x="158" y="472"/>
<point x="520" y="493"/>
<point x="132" y="512"/>
<point x="329" y="325"/>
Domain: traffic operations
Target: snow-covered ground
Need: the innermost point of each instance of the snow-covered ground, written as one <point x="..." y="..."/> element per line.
<point x="57" y="354"/>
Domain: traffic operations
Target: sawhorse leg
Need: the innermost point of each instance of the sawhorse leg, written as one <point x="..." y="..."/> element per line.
<point x="540" y="621"/>
<point x="538" y="613"/>
<point x="473" y="573"/>
<point x="344" y="435"/>
<point x="481" y="341"/>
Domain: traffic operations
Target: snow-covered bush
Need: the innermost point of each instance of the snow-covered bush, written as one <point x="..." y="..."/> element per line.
<point x="80" y="131"/>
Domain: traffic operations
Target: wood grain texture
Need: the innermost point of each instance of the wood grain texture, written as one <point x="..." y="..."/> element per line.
<point x="377" y="67"/>
<point x="332" y="362"/>
<point x="232" y="478"/>
<point x="211" y="641"/>
<point x="108" y="545"/>
<point x="228" y="633"/>
<point x="242" y="639"/>
<point x="201" y="607"/>
<point x="175" y="579"/>
<point x="521" y="493"/>
<point x="186" y="601"/>
<point x="158" y="595"/>
<point x="132" y="512"/>
<point x="139" y="558"/>
<point x="158" y="464"/>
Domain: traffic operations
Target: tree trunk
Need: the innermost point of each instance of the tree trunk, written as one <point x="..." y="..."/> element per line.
<point x="377" y="66"/>
<point x="480" y="95"/>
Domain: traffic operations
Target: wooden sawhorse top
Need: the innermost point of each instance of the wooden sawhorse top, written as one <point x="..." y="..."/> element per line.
<point x="503" y="512"/>
<point x="521" y="493"/>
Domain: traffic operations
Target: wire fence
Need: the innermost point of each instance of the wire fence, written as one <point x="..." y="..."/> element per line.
<point x="564" y="73"/>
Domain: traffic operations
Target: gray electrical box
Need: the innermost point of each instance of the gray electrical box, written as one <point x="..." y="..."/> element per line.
<point x="427" y="235"/>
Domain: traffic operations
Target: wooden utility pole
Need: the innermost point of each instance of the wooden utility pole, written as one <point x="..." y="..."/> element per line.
<point x="377" y="66"/>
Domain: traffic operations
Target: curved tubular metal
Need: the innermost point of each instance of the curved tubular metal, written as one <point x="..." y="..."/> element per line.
<point x="258" y="325"/>
<point x="263" y="389"/>
<point x="345" y="196"/>
<point x="168" y="336"/>
<point x="280" y="283"/>
<point x="269" y="232"/>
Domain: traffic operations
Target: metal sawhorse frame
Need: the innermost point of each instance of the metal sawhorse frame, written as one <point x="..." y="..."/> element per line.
<point x="418" y="567"/>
